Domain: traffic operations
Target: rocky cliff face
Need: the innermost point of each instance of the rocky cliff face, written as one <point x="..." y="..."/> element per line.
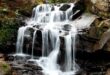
<point x="101" y="8"/>
<point x="95" y="39"/>
<point x="97" y="36"/>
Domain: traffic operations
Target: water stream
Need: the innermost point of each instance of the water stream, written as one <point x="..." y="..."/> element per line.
<point x="54" y="23"/>
<point x="33" y="42"/>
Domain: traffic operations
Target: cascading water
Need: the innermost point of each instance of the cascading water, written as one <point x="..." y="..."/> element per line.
<point x="45" y="43"/>
<point x="33" y="41"/>
<point x="68" y="56"/>
<point x="54" y="23"/>
<point x="73" y="47"/>
<point x="20" y="39"/>
<point x="50" y="65"/>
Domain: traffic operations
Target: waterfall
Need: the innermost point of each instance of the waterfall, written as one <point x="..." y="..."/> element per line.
<point x="74" y="48"/>
<point x="20" y="39"/>
<point x="53" y="24"/>
<point x="22" y="32"/>
<point x="45" y="43"/>
<point x="33" y="42"/>
<point x="68" y="50"/>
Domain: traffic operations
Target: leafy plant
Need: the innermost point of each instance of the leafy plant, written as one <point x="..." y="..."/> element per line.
<point x="8" y="28"/>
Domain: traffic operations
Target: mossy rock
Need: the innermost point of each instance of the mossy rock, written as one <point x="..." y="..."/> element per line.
<point x="5" y="68"/>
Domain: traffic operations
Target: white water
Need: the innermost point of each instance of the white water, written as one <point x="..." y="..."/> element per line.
<point x="33" y="42"/>
<point x="52" y="25"/>
<point x="22" y="32"/>
<point x="45" y="43"/>
<point x="68" y="56"/>
<point x="20" y="40"/>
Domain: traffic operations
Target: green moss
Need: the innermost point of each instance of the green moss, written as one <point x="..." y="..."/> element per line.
<point x="5" y="67"/>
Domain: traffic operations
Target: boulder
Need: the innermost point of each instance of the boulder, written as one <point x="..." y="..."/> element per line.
<point x="67" y="27"/>
<point x="78" y="9"/>
<point x="105" y="37"/>
<point x="33" y="66"/>
<point x="103" y="40"/>
<point x="64" y="7"/>
<point x="79" y="5"/>
<point x="102" y="5"/>
<point x="101" y="8"/>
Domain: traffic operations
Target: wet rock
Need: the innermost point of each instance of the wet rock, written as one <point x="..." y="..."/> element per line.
<point x="33" y="66"/>
<point x="104" y="38"/>
<point x="67" y="27"/>
<point x="78" y="9"/>
<point x="30" y="68"/>
<point x="76" y="15"/>
<point x="19" y="58"/>
<point x="81" y="73"/>
<point x="78" y="6"/>
<point x="65" y="7"/>
<point x="39" y="73"/>
<point x="85" y="43"/>
<point x="108" y="46"/>
<point x="94" y="62"/>
<point x="52" y="9"/>
<point x="18" y="67"/>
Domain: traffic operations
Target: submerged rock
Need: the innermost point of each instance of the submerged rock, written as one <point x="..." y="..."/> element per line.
<point x="64" y="7"/>
<point x="67" y="27"/>
<point x="33" y="66"/>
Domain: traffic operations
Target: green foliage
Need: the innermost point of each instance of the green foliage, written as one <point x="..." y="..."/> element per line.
<point x="7" y="29"/>
<point x="10" y="9"/>
<point x="57" y="1"/>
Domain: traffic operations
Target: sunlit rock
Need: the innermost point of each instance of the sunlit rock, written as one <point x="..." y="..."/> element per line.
<point x="102" y="5"/>
<point x="101" y="8"/>
<point x="104" y="37"/>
